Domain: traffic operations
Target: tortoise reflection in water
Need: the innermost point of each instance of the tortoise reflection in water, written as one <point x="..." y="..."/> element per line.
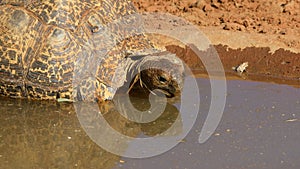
<point x="49" y="135"/>
<point x="70" y="49"/>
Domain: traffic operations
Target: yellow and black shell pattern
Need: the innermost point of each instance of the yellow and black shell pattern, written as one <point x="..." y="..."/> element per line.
<point x="48" y="48"/>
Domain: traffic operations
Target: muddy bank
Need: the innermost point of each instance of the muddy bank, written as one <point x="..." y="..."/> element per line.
<point x="282" y="66"/>
<point x="263" y="33"/>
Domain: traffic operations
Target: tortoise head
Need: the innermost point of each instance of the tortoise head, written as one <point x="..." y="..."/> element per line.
<point x="161" y="72"/>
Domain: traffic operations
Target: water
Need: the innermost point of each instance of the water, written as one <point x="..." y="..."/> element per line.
<point x="259" y="129"/>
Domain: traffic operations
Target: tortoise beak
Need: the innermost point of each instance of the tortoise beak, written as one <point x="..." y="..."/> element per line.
<point x="171" y="90"/>
<point x="168" y="91"/>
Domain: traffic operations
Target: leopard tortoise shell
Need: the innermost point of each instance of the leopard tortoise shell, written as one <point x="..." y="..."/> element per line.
<point x="75" y="49"/>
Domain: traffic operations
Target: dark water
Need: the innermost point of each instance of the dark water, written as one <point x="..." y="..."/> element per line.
<point x="260" y="128"/>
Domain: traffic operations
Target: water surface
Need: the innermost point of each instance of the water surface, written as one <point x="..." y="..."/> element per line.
<point x="259" y="129"/>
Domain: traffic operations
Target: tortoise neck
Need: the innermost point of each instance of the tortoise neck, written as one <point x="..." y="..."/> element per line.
<point x="132" y="66"/>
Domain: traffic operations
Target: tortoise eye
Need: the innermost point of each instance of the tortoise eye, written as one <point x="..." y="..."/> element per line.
<point x="162" y="79"/>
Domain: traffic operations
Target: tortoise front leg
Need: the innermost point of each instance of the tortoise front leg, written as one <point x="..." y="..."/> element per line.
<point x="104" y="92"/>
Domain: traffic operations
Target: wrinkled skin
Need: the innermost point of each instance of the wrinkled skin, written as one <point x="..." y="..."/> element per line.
<point x="161" y="80"/>
<point x="160" y="74"/>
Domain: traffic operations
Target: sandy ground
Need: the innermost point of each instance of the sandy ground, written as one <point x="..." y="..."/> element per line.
<point x="264" y="33"/>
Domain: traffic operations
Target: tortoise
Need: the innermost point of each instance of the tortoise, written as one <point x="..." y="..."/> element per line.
<point x="81" y="50"/>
